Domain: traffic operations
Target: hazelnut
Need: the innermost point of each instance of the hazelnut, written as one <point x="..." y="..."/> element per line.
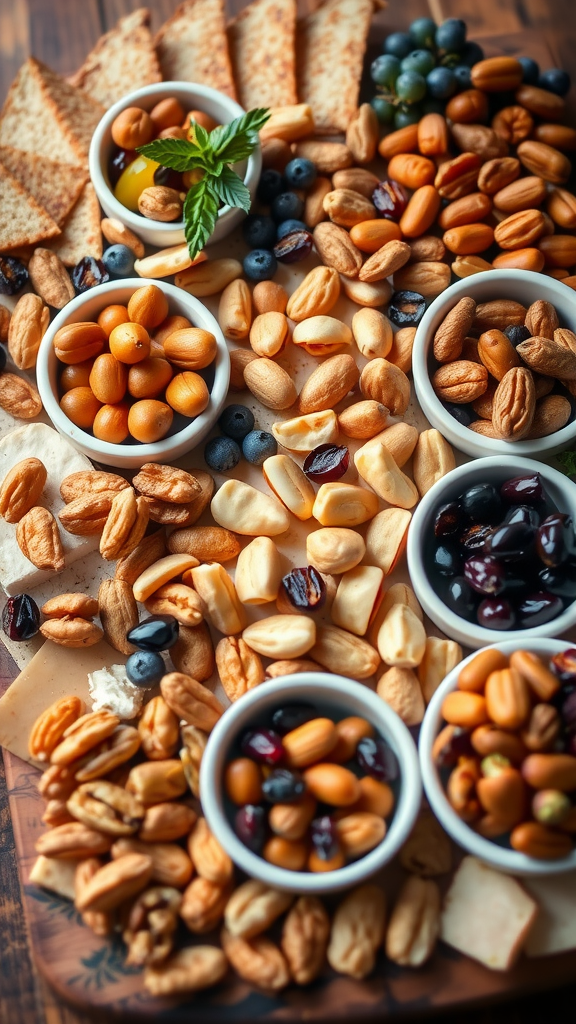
<point x="132" y="128"/>
<point x="111" y="423"/>
<point x="148" y="306"/>
<point x="149" y="420"/>
<point x="80" y="406"/>
<point x="168" y="113"/>
<point x="188" y="394"/>
<point x="160" y="203"/>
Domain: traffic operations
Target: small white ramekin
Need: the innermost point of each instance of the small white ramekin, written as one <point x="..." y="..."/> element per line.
<point x="186" y="433"/>
<point x="329" y="693"/>
<point x="523" y="286"/>
<point x="500" y="856"/>
<point x="192" y="97"/>
<point x="493" y="470"/>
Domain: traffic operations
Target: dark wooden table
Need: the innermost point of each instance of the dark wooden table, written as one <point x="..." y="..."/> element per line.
<point x="60" y="32"/>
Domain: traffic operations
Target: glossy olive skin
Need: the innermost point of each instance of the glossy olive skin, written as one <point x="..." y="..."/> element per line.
<point x="496" y="613"/>
<point x="482" y="503"/>
<point x="555" y="539"/>
<point x="156" y="633"/>
<point x="283" y="786"/>
<point x="486" y="575"/>
<point x="538" y="608"/>
<point x="523" y="489"/>
<point x="511" y="542"/>
<point x="291" y="716"/>
<point x="448" y="519"/>
<point x="461" y="598"/>
<point x="447" y="560"/>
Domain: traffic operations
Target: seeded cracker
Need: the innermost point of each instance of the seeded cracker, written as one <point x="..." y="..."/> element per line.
<point x="192" y="46"/>
<point x="81" y="234"/>
<point x="45" y="115"/>
<point x="330" y="50"/>
<point x="122" y="60"/>
<point x="54" y="186"/>
<point x="22" y="220"/>
<point x="262" y="48"/>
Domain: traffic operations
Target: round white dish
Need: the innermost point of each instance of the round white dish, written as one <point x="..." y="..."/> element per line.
<point x="326" y="691"/>
<point x="523" y="286"/>
<point x="500" y="856"/>
<point x="496" y="470"/>
<point x="186" y="434"/>
<point x="192" y="97"/>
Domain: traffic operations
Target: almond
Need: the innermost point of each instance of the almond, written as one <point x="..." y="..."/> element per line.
<point x="467" y="210"/>
<point x="363" y="419"/>
<point x="545" y="161"/>
<point x="269" y="332"/>
<point x="328" y="384"/>
<point x="314" y="211"/>
<point x="541" y="102"/>
<point x="427" y="249"/>
<point x="28" y="323"/>
<point x="87" y="515"/>
<point x="118" y="613"/>
<point x="552" y="413"/>
<point x="403" y="140"/>
<point x="328" y="156"/>
<point x="433" y="135"/>
<point x="460" y="382"/>
<point x="548" y="358"/>
<point x="514" y="405"/>
<point x="270" y="384"/>
<point x="500" y="313"/>
<point x="346" y="208"/>
<point x="497" y="74"/>
<point x="315" y="295"/>
<point x="385" y="261"/>
<point x="450" y="335"/>
<point x="542" y="320"/>
<point x="372" y="332"/>
<point x="166" y="483"/>
<point x="21" y="489"/>
<point x="50" y="279"/>
<point x="497" y="353"/>
<point x="206" y="543"/>
<point x="235" y="310"/>
<point x="356" y="178"/>
<point x="39" y="540"/>
<point x="337" y="250"/>
<point x="385" y="383"/>
<point x="429" y="279"/>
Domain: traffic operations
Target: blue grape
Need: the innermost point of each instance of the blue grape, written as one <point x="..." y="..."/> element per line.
<point x="555" y="80"/>
<point x="421" y="61"/>
<point x="398" y="43"/>
<point x="462" y="75"/>
<point x="530" y="71"/>
<point x="422" y="32"/>
<point x="410" y="87"/>
<point x="405" y="115"/>
<point x="384" y="109"/>
<point x="441" y="83"/>
<point x="451" y="35"/>
<point x="385" y="70"/>
<point x="472" y="54"/>
<point x="287" y="206"/>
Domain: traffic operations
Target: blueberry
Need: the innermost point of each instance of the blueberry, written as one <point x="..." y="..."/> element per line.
<point x="258" y="231"/>
<point x="462" y="75"/>
<point x="236" y="421"/>
<point x="286" y="206"/>
<point x="119" y="260"/>
<point x="385" y="70"/>
<point x="222" y="454"/>
<point x="384" y="109"/>
<point x="260" y="265"/>
<point x="421" y="61"/>
<point x="405" y="115"/>
<point x="422" y="32"/>
<point x="269" y="186"/>
<point x="145" y="668"/>
<point x="258" y="446"/>
<point x="300" y="173"/>
<point x="555" y="80"/>
<point x="3" y="358"/>
<point x="156" y="633"/>
<point x="471" y="54"/>
<point x="451" y="35"/>
<point x="441" y="83"/>
<point x="399" y="44"/>
<point x="530" y="70"/>
<point x="288" y="226"/>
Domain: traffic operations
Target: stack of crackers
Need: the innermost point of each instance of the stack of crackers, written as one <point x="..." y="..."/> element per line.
<point x="263" y="58"/>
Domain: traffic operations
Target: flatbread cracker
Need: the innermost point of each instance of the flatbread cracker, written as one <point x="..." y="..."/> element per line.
<point x="262" y="48"/>
<point x="22" y="220"/>
<point x="81" y="234"/>
<point x="54" y="186"/>
<point x="330" y="49"/>
<point x="192" y="46"/>
<point x="45" y="115"/>
<point x="123" y="60"/>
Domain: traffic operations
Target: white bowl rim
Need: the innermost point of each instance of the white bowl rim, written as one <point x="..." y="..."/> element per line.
<point x="384" y="719"/>
<point x="135" y="220"/>
<point x="196" y="310"/>
<point x="435" y="411"/>
<point x="440" y="613"/>
<point x="501" y="857"/>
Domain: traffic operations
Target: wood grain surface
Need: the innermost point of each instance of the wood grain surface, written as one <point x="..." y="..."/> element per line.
<point x="60" y="32"/>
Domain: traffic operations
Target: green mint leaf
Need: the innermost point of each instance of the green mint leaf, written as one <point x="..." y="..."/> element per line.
<point x="201" y="137"/>
<point x="567" y="460"/>
<point x="235" y="141"/>
<point x="231" y="190"/>
<point x="200" y="213"/>
<point x="179" y="154"/>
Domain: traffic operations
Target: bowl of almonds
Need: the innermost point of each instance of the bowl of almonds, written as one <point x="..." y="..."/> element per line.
<point x="310" y="783"/>
<point x="494" y="364"/>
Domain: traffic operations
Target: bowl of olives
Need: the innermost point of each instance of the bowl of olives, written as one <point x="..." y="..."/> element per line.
<point x="458" y="420"/>
<point x="310" y="783"/>
<point x="492" y="551"/>
<point x="120" y="174"/>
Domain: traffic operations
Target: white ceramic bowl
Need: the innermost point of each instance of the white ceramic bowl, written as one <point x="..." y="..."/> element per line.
<point x="185" y="433"/>
<point x="192" y="97"/>
<point x="493" y="470"/>
<point x="522" y="286"/>
<point x="327" y="692"/>
<point x="499" y="854"/>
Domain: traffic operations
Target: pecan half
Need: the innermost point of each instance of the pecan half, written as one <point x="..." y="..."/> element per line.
<point x="203" y="904"/>
<point x="39" y="540"/>
<point x="305" y="939"/>
<point x="240" y="668"/>
<point x="253" y="907"/>
<point x="158" y="729"/>
<point x="109" y="808"/>
<point x="84" y="734"/>
<point x="208" y="857"/>
<point x="188" y="970"/>
<point x="73" y="841"/>
<point x="152" y="922"/>
<point x="191" y="701"/>
<point x="257" y="960"/>
<point x="167" y="483"/>
<point x="115" y="883"/>
<point x="125" y="526"/>
<point x="49" y="728"/>
<point x="357" y="931"/>
<point x="414" y="923"/>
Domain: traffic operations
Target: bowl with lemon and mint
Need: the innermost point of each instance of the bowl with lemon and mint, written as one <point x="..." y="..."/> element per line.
<point x="177" y="162"/>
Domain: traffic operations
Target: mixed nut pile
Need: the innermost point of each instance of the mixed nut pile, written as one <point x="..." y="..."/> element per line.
<point x="509" y="747"/>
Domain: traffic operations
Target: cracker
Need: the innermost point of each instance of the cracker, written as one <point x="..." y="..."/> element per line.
<point x="45" y="115"/>
<point x="81" y="234"/>
<point x="123" y="59"/>
<point x="54" y="186"/>
<point x="22" y="220"/>
<point x="192" y="46"/>
<point x="262" y="48"/>
<point x="330" y="49"/>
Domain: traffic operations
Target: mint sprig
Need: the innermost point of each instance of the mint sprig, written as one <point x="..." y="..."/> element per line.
<point x="211" y="152"/>
<point x="567" y="460"/>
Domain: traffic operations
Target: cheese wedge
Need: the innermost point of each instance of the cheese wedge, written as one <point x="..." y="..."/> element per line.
<point x="487" y="915"/>
<point x="555" y="928"/>
<point x="55" y="874"/>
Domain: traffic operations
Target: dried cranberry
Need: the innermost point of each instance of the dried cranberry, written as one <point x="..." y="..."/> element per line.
<point x="13" y="275"/>
<point x="481" y="503"/>
<point x="377" y="759"/>
<point x="20" y="617"/>
<point x="324" y="836"/>
<point x="523" y="489"/>
<point x="406" y="308"/>
<point x="250" y="826"/>
<point x="305" y="588"/>
<point x="486" y="575"/>
<point x="294" y="247"/>
<point x="118" y="163"/>
<point x="447" y="560"/>
<point x="538" y="608"/>
<point x="474" y="538"/>
<point x="517" y="334"/>
<point x="390" y="199"/>
<point x="564" y="665"/>
<point x="326" y="463"/>
<point x="555" y="539"/>
<point x="263" y="745"/>
<point x="88" y="273"/>
<point x="448" y="519"/>
<point x="169" y="178"/>
<point x="290" y="716"/>
<point x="495" y="613"/>
<point x="283" y="786"/>
<point x="568" y="711"/>
<point x="522" y="514"/>
<point x="511" y="541"/>
<point x="461" y="598"/>
<point x="456" y="743"/>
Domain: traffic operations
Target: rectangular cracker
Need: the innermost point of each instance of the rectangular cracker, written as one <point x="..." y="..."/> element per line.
<point x="54" y="186"/>
<point x="81" y="234"/>
<point x="22" y="220"/>
<point x="192" y="46"/>
<point x="262" y="48"/>
<point x="123" y="59"/>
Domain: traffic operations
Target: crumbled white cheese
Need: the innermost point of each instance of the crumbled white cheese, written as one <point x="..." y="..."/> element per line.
<point x="111" y="690"/>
